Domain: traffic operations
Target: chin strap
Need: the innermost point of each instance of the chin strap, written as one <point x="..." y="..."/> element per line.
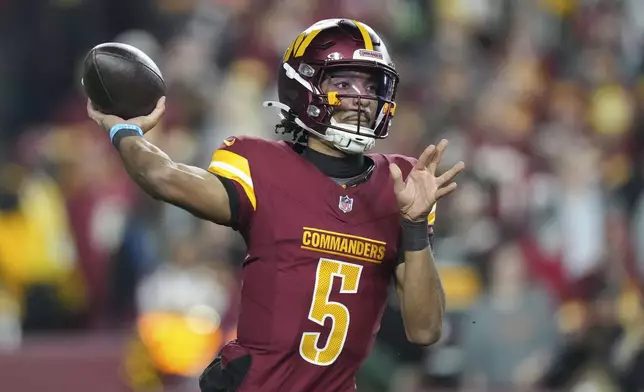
<point x="344" y="139"/>
<point x="350" y="141"/>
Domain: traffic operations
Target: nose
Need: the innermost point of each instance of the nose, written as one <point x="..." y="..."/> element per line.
<point x="361" y="104"/>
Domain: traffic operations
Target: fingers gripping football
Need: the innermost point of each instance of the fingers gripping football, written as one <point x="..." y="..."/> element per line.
<point x="146" y="123"/>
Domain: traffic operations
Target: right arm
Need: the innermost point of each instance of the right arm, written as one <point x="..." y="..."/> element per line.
<point x="194" y="189"/>
<point x="208" y="194"/>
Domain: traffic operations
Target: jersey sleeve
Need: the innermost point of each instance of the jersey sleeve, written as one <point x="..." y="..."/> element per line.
<point x="432" y="216"/>
<point x="230" y="162"/>
<point x="430" y="226"/>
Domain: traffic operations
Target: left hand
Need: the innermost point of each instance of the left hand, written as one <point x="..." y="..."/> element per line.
<point x="422" y="189"/>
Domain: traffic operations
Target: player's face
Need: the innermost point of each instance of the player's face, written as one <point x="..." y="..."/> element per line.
<point x="352" y="110"/>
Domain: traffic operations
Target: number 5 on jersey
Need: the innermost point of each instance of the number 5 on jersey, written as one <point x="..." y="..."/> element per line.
<point x="322" y="307"/>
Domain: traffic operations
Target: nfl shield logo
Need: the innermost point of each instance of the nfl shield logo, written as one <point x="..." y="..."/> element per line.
<point x="346" y="204"/>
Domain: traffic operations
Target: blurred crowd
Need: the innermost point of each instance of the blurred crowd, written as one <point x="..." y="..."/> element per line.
<point x="539" y="249"/>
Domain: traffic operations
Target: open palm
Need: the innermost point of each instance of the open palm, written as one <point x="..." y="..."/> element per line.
<point x="422" y="188"/>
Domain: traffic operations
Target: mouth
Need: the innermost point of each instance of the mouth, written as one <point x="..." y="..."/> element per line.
<point x="357" y="120"/>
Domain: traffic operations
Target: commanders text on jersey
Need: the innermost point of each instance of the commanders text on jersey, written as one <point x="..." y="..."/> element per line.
<point x="359" y="248"/>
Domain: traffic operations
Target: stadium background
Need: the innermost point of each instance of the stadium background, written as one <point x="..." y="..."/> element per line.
<point x="104" y="289"/>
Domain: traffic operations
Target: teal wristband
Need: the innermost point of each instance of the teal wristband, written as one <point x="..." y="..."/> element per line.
<point x="119" y="127"/>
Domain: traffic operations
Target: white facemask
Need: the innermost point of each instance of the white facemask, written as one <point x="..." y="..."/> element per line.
<point x="348" y="142"/>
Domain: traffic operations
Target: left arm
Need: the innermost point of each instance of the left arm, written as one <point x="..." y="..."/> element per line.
<point x="418" y="283"/>
<point x="421" y="296"/>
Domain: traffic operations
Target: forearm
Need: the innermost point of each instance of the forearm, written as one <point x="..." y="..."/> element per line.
<point x="191" y="188"/>
<point x="423" y="304"/>
<point x="419" y="286"/>
<point x="146" y="164"/>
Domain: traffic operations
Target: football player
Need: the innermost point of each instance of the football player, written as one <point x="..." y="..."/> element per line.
<point x="328" y="227"/>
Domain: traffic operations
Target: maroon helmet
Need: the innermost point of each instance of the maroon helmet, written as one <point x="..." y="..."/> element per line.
<point x="325" y="47"/>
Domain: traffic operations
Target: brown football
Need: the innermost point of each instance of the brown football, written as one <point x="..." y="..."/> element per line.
<point x="121" y="80"/>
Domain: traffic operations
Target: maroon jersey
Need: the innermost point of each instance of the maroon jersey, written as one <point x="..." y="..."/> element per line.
<point x="320" y="259"/>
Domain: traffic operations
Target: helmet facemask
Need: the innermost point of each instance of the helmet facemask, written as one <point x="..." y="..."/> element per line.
<point x="354" y="103"/>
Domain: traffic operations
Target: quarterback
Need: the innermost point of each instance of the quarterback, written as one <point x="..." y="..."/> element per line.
<point x="328" y="226"/>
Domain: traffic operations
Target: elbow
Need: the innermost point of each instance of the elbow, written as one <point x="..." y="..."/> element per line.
<point x="426" y="331"/>
<point x="425" y="336"/>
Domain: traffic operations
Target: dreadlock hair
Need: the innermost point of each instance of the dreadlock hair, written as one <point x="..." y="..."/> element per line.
<point x="288" y="125"/>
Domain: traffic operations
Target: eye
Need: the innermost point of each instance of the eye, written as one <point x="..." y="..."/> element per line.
<point x="342" y="85"/>
<point x="372" y="88"/>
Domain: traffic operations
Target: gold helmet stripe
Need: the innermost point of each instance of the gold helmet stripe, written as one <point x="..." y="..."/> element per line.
<point x="306" y="43"/>
<point x="293" y="47"/>
<point x="368" y="44"/>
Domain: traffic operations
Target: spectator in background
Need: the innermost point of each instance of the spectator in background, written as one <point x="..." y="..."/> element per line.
<point x="511" y="332"/>
<point x="185" y="307"/>
<point x="184" y="282"/>
<point x="38" y="264"/>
